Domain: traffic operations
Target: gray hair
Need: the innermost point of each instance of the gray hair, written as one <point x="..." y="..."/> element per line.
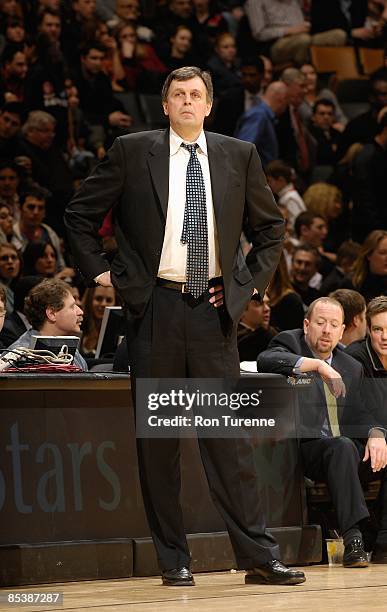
<point x="185" y="74"/>
<point x="37" y="120"/>
<point x="292" y="75"/>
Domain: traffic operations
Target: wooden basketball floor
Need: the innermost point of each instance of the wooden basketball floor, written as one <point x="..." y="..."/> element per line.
<point x="326" y="589"/>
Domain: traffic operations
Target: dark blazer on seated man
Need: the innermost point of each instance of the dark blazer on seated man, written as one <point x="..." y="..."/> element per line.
<point x="332" y="418"/>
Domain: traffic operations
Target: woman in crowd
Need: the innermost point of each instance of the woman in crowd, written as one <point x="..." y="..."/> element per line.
<point x="10" y="269"/>
<point x="287" y="309"/>
<point x="224" y="64"/>
<point x="313" y="93"/>
<point x="142" y="68"/>
<point x="325" y="201"/>
<point x="94" y="303"/>
<point x="180" y="53"/>
<point x="370" y="269"/>
<point x="41" y="258"/>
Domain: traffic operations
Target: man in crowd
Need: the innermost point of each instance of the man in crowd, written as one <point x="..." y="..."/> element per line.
<point x="304" y="266"/>
<point x="14" y="73"/>
<point x="326" y="136"/>
<point x="312" y="230"/>
<point x="51" y="311"/>
<point x="333" y="419"/>
<point x="346" y="257"/>
<point x="254" y="331"/>
<point x="280" y="179"/>
<point x="12" y="116"/>
<point x="257" y="125"/>
<point x="354" y="307"/>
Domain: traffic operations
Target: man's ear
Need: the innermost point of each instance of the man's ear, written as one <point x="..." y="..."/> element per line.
<point x="306" y="326"/>
<point x="51" y="314"/>
<point x="165" y="108"/>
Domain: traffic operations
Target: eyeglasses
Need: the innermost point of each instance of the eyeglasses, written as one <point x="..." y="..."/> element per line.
<point x="8" y="257"/>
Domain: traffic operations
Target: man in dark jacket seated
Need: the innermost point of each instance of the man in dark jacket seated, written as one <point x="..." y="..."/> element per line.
<point x="333" y="420"/>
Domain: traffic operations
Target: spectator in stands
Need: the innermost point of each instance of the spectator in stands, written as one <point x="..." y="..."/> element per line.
<point x="326" y="136"/>
<point x="365" y="127"/>
<point x="42" y="258"/>
<point x="14" y="73"/>
<point x="129" y="12"/>
<point x="354" y="308"/>
<point x="11" y="8"/>
<point x="369" y="275"/>
<point x="346" y="257"/>
<point x="268" y="71"/>
<point x="313" y="93"/>
<point x="51" y="310"/>
<point x="31" y="228"/>
<point x="257" y="125"/>
<point x="101" y="110"/>
<point x="50" y="24"/>
<point x="16" y="323"/>
<point x="349" y="16"/>
<point x="143" y="70"/>
<point x="6" y="223"/>
<point x="94" y="302"/>
<point x="305" y="262"/>
<point x="254" y="331"/>
<point x="49" y="167"/>
<point x="280" y="179"/>
<point x="180" y="51"/>
<point x="311" y="229"/>
<point x="224" y="64"/>
<point x="296" y="145"/>
<point x="10" y="269"/>
<point x="372" y="351"/>
<point x="15" y="31"/>
<point x="9" y="184"/>
<point x="238" y="100"/>
<point x="282" y="27"/>
<point x="168" y="17"/>
<point x="12" y="116"/>
<point x="333" y="418"/>
<point x="369" y="185"/>
<point x="326" y="201"/>
<point x="287" y="308"/>
<point x="207" y="23"/>
<point x="76" y="28"/>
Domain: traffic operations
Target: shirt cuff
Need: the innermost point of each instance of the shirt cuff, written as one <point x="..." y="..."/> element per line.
<point x="296" y="368"/>
<point x="96" y="278"/>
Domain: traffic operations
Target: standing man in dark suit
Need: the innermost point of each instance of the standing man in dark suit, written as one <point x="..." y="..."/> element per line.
<point x="333" y="417"/>
<point x="181" y="197"/>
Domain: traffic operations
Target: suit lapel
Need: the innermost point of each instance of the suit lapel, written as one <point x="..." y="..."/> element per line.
<point x="158" y="162"/>
<point x="219" y="171"/>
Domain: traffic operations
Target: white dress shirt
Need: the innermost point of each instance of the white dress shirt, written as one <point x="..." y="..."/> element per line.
<point x="174" y="254"/>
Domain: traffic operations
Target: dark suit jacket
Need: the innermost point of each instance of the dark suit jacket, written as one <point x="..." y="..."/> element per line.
<point x="134" y="178"/>
<point x="13" y="328"/>
<point x="355" y="419"/>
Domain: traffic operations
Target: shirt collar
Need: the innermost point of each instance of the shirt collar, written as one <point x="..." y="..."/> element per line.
<point x="175" y="142"/>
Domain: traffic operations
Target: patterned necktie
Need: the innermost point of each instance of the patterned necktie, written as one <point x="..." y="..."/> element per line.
<point x="332" y="412"/>
<point x="195" y="233"/>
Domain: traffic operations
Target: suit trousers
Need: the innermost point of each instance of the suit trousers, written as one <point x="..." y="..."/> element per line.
<point x="178" y="337"/>
<point x="338" y="462"/>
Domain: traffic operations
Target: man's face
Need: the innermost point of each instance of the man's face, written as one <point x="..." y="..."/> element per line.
<point x="51" y="26"/>
<point x="257" y="314"/>
<point x="18" y="66"/>
<point x="251" y="79"/>
<point x="33" y="211"/>
<point x="67" y="320"/>
<point x="187" y="105"/>
<point x="378" y="333"/>
<point x="9" y="263"/>
<point x="378" y="97"/>
<point x="10" y="124"/>
<point x="6" y="220"/>
<point x="92" y="62"/>
<point x="304" y="266"/>
<point x="296" y="92"/>
<point x="8" y="183"/>
<point x="128" y="10"/>
<point x="42" y="136"/>
<point x="324" y="116"/>
<point x="85" y="8"/>
<point x="181" y="8"/>
<point x="316" y="233"/>
<point x="324" y="330"/>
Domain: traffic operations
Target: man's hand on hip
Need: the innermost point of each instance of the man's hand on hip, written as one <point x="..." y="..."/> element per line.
<point x="104" y="279"/>
<point x="217" y="295"/>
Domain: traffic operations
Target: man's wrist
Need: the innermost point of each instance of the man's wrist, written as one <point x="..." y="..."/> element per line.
<point x="377" y="432"/>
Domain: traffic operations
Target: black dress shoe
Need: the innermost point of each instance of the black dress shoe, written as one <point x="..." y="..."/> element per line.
<point x="273" y="572"/>
<point x="379" y="554"/>
<point x="181" y="576"/>
<point x="354" y="554"/>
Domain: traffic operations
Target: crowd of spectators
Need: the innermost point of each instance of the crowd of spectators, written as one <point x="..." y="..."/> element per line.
<point x="65" y="69"/>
